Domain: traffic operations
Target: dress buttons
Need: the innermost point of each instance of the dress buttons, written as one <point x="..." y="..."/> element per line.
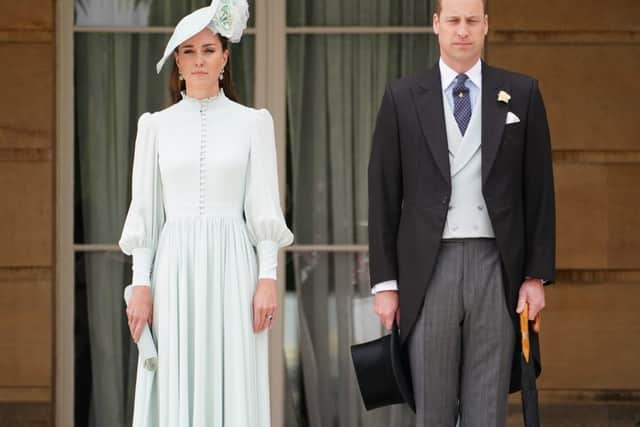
<point x="480" y="208"/>
<point x="203" y="157"/>
<point x="454" y="228"/>
<point x="450" y="207"/>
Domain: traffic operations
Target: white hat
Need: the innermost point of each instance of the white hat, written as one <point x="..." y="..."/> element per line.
<point x="225" y="17"/>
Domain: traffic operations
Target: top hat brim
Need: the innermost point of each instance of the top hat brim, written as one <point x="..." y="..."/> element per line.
<point x="382" y="372"/>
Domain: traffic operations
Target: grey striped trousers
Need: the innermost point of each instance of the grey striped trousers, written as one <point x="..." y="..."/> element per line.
<point x="462" y="344"/>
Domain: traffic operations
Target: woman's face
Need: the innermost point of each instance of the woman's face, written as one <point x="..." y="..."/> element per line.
<point x="201" y="59"/>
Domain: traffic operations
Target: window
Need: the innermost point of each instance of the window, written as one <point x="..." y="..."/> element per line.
<point x="325" y="64"/>
<point x="340" y="55"/>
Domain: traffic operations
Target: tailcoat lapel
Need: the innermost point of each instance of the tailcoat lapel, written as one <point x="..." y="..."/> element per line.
<point x="427" y="95"/>
<point x="494" y="115"/>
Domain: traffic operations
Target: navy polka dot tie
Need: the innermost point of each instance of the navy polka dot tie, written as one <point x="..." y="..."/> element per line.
<point x="461" y="103"/>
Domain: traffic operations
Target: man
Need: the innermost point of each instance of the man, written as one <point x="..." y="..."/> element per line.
<point x="461" y="221"/>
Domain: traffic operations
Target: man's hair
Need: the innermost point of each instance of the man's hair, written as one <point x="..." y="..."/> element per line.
<point x="438" y="7"/>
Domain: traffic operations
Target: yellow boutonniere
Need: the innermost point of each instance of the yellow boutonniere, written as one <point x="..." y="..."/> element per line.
<point x="504" y="97"/>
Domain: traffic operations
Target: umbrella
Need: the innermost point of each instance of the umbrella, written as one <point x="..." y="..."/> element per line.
<point x="527" y="369"/>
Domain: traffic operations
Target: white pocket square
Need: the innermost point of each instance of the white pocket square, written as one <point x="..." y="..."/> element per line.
<point x="511" y="118"/>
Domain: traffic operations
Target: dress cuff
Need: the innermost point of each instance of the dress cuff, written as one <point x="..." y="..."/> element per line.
<point x="389" y="285"/>
<point x="267" y="259"/>
<point x="142" y="259"/>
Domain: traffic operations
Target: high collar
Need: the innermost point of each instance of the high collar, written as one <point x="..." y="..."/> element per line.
<point x="220" y="97"/>
<point x="448" y="75"/>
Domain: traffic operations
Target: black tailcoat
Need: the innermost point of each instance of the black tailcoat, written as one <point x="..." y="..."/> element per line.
<point x="410" y="186"/>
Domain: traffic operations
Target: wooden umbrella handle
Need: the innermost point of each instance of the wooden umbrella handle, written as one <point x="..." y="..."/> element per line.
<point x="524" y="332"/>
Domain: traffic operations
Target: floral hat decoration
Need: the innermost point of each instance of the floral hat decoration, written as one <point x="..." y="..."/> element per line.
<point x="225" y="17"/>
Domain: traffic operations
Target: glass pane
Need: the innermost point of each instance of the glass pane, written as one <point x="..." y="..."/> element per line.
<point x="328" y="307"/>
<point x="115" y="82"/>
<point x="105" y="357"/>
<point x="334" y="87"/>
<point x="139" y="13"/>
<point x="360" y="12"/>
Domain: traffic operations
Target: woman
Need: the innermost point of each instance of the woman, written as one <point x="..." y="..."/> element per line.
<point x="205" y="192"/>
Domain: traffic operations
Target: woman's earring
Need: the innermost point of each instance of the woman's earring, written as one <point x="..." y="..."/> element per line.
<point x="221" y="74"/>
<point x="180" y="78"/>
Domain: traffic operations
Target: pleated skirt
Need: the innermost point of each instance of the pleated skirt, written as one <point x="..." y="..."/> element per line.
<point x="212" y="368"/>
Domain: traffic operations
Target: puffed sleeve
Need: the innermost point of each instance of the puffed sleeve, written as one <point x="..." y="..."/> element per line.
<point x="265" y="221"/>
<point x="146" y="212"/>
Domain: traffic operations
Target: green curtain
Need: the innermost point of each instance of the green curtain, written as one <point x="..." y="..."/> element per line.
<point x="112" y="88"/>
<point x="115" y="82"/>
<point x="334" y="87"/>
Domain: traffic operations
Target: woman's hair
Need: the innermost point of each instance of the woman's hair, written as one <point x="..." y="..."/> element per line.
<point x="226" y="84"/>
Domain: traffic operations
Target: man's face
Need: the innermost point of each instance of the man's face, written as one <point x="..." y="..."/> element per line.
<point x="461" y="28"/>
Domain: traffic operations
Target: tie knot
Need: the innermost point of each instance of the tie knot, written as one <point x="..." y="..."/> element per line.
<point x="460" y="86"/>
<point x="460" y="89"/>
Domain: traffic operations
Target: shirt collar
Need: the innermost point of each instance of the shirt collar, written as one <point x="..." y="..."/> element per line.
<point x="448" y="75"/>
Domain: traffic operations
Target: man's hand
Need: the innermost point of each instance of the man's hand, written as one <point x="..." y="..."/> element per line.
<point x="531" y="292"/>
<point x="386" y="307"/>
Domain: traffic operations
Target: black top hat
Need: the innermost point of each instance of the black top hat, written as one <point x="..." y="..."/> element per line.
<point x="382" y="371"/>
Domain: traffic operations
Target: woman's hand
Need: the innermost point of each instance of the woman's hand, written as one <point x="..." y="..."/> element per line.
<point x="265" y="304"/>
<point x="139" y="310"/>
